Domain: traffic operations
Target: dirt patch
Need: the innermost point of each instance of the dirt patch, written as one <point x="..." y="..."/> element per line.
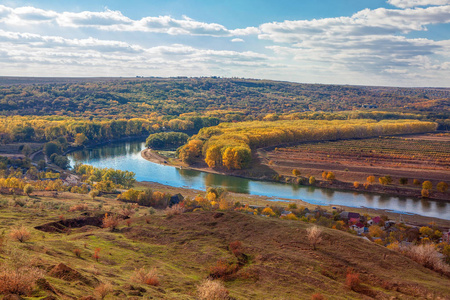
<point x="63" y="226"/>
<point x="66" y="273"/>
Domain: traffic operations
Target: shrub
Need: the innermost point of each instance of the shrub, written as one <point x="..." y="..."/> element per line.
<point x="111" y="221"/>
<point x="223" y="270"/>
<point x="102" y="290"/>
<point x="20" y="234"/>
<point x="268" y="212"/>
<point x="317" y="296"/>
<point x="426" y="255"/>
<point x="176" y="209"/>
<point x="356" y="184"/>
<point x="236" y="248"/>
<point x="352" y="281"/>
<point x="296" y="172"/>
<point x="77" y="252"/>
<point x="416" y="182"/>
<point x="96" y="254"/>
<point x="212" y="290"/>
<point x="425" y="193"/>
<point x="403" y="180"/>
<point x="312" y="180"/>
<point x="149" y="277"/>
<point x="20" y="281"/>
<point x="314" y="235"/>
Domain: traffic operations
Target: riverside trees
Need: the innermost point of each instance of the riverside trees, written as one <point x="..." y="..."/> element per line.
<point x="230" y="144"/>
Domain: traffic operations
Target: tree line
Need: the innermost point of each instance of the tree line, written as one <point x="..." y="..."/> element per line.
<point x="230" y="144"/>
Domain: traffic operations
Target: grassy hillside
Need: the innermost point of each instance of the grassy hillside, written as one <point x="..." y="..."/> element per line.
<point x="275" y="261"/>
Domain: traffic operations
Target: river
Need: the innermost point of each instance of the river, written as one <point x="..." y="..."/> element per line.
<point x="126" y="156"/>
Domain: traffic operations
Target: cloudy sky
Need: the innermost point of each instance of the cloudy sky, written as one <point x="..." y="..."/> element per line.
<point x="367" y="42"/>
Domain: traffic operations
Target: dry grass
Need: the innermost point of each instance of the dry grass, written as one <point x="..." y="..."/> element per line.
<point x="149" y="277"/>
<point x="20" y="234"/>
<point x="79" y="207"/>
<point x="212" y="290"/>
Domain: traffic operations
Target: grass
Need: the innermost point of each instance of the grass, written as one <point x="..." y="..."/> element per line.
<point x="183" y="249"/>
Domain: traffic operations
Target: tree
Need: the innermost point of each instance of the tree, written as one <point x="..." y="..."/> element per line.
<point x="425" y="193"/>
<point x="331" y="176"/>
<point x="403" y="180"/>
<point x="296" y="172"/>
<point x="80" y="139"/>
<point x="26" y="150"/>
<point x="312" y="180"/>
<point x="50" y="148"/>
<point x="427" y="185"/>
<point x="28" y="189"/>
<point x="314" y="235"/>
<point x="371" y="179"/>
<point x="93" y="194"/>
<point x="442" y="187"/>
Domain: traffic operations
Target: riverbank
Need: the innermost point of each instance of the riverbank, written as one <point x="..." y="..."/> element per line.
<point x="410" y="219"/>
<point x="261" y="172"/>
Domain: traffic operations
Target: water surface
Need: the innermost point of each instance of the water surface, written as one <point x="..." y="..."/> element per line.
<point x="126" y="156"/>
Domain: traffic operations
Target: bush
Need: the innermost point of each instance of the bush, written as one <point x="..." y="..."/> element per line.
<point x="352" y="281"/>
<point x="19" y="281"/>
<point x="79" y="207"/>
<point x="314" y="235"/>
<point x="223" y="270"/>
<point x="102" y="290"/>
<point x="296" y="172"/>
<point x="149" y="277"/>
<point x="212" y="290"/>
<point x="111" y="221"/>
<point x="20" y="234"/>
<point x="312" y="180"/>
<point x="403" y="180"/>
<point x="176" y="209"/>
<point x="317" y="296"/>
<point x="428" y="256"/>
<point x="77" y="252"/>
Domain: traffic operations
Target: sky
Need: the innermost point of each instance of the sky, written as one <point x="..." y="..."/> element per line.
<point x="357" y="42"/>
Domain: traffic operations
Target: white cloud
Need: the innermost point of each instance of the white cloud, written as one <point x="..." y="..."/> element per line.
<point x="237" y="40"/>
<point x="414" y="3"/>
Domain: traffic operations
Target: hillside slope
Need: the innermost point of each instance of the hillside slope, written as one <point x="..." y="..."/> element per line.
<point x="278" y="262"/>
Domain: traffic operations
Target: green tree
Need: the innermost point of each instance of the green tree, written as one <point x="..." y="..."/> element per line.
<point x="50" y="148"/>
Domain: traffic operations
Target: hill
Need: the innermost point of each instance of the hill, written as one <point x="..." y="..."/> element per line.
<point x="274" y="258"/>
<point x="129" y="97"/>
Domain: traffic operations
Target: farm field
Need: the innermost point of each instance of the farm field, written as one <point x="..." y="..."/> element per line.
<point x="422" y="157"/>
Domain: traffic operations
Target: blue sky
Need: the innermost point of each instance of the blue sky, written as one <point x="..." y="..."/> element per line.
<point x="365" y="42"/>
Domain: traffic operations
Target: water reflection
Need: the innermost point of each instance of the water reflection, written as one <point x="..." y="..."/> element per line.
<point x="126" y="156"/>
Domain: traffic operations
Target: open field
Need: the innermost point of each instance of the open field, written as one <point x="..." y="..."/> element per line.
<point x="422" y="157"/>
<point x="279" y="261"/>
